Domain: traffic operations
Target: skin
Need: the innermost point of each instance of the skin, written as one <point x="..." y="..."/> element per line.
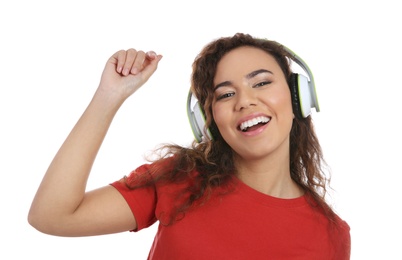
<point x="243" y="90"/>
<point x="61" y="206"/>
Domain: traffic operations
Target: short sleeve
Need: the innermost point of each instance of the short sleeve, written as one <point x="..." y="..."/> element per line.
<point x="142" y="201"/>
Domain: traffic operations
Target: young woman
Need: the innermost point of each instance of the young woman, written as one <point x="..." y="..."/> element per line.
<point x="251" y="189"/>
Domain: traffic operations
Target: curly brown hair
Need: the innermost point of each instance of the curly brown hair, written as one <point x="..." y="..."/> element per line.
<point x="214" y="159"/>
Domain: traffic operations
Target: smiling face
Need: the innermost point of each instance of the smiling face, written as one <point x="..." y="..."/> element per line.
<point x="252" y="104"/>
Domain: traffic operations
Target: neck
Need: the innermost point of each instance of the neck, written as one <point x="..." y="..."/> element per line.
<point x="269" y="175"/>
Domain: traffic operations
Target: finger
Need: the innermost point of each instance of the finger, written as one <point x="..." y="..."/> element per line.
<point x="151" y="67"/>
<point x="130" y="57"/>
<point x="139" y="63"/>
<point x="120" y="58"/>
<point x="150" y="55"/>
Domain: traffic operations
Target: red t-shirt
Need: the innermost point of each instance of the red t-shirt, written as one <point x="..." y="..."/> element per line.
<point x="242" y="224"/>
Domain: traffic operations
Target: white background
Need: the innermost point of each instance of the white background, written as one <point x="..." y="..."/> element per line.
<point x="52" y="54"/>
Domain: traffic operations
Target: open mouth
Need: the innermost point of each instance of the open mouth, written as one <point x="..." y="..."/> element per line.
<point x="254" y="123"/>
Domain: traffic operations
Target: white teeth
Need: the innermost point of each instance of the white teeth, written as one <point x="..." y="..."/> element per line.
<point x="254" y="121"/>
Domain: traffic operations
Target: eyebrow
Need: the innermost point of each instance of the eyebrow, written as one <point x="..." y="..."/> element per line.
<point x="248" y="76"/>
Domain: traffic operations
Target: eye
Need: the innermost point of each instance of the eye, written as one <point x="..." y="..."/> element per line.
<point x="262" y="83"/>
<point x="225" y="95"/>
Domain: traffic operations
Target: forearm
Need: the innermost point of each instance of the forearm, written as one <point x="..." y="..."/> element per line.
<point x="63" y="186"/>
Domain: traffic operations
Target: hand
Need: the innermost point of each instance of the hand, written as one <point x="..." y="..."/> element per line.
<point x="127" y="70"/>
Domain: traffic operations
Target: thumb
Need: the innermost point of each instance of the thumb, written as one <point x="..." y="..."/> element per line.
<point x="152" y="66"/>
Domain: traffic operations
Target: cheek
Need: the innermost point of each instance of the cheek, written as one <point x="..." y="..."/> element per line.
<point x="216" y="115"/>
<point x="287" y="103"/>
<point x="283" y="102"/>
<point x="220" y="117"/>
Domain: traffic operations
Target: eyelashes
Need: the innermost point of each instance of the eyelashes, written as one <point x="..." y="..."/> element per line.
<point x="226" y="95"/>
<point x="261" y="84"/>
<point x="232" y="93"/>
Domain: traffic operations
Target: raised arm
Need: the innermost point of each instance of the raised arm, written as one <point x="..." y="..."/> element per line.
<point x="61" y="205"/>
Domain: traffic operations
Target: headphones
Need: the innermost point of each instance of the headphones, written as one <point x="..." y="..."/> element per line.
<point x="303" y="94"/>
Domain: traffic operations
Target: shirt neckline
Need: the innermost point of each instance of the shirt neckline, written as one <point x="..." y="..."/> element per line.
<point x="248" y="192"/>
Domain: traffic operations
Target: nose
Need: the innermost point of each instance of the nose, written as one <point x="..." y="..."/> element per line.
<point x="245" y="99"/>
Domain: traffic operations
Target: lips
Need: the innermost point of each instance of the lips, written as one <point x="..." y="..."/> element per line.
<point x="253" y="123"/>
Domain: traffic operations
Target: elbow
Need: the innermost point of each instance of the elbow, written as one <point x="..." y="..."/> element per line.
<point x="39" y="222"/>
<point x="35" y="221"/>
<point x="48" y="223"/>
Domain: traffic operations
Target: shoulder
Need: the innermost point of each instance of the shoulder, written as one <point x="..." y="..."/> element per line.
<point x="151" y="170"/>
